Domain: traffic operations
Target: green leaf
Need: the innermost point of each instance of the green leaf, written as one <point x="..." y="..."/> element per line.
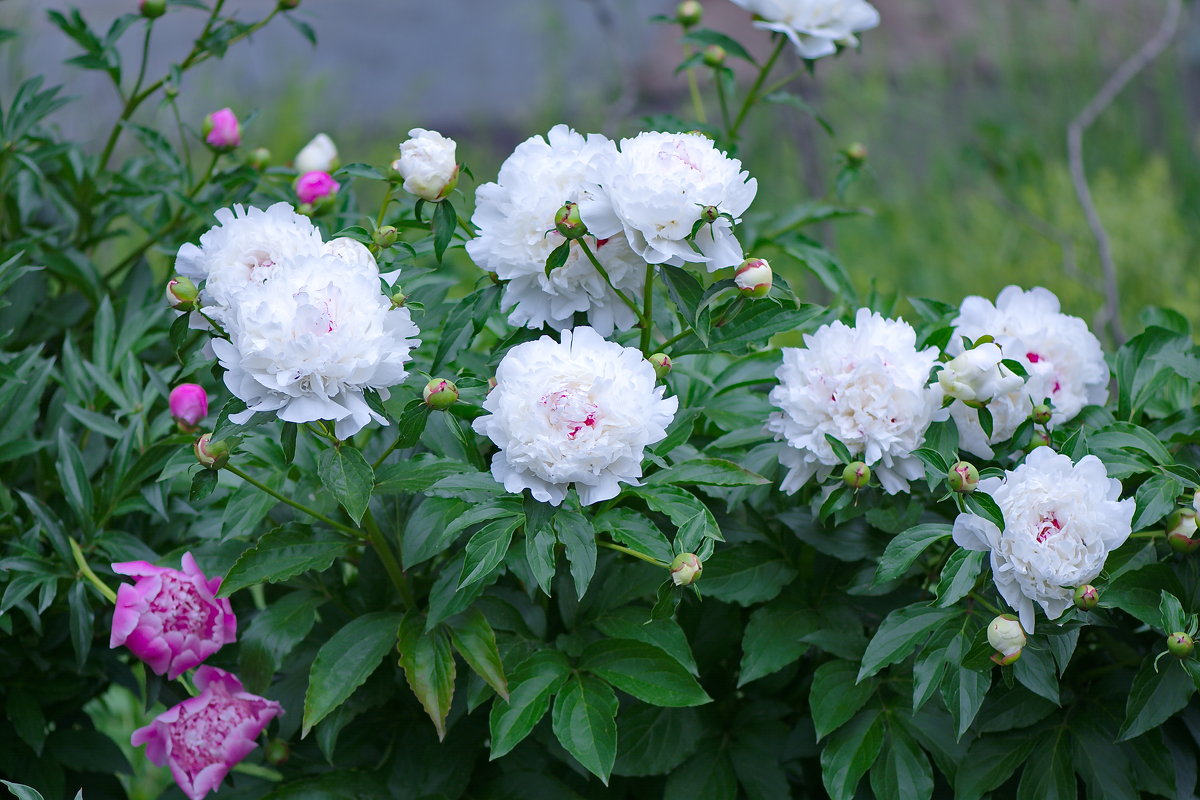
<point x="1035" y="670"/>
<point x="25" y="715"/>
<point x="575" y="532"/>
<point x="416" y="474"/>
<point x="444" y="221"/>
<point x="654" y="741"/>
<point x="899" y="633"/>
<point x="347" y="475"/>
<point x="1127" y="436"/>
<point x="708" y="775"/>
<point x="840" y="450"/>
<point x="558" y="256"/>
<point x="906" y="547"/>
<point x="629" y="622"/>
<point x="963" y="688"/>
<point x="1154" y="500"/>
<point x="982" y="505"/>
<point x="1139" y="592"/>
<point x="834" y="697"/>
<point x="346" y="661"/>
<point x="540" y="543"/>
<point x="22" y="791"/>
<point x="486" y="549"/>
<point x="1103" y="765"/>
<point x="707" y="472"/>
<point x="990" y="761"/>
<point x="285" y="553"/>
<point x="636" y="532"/>
<point x="475" y="641"/>
<point x="273" y="633"/>
<point x="82" y="622"/>
<point x="772" y="640"/>
<point x="74" y="479"/>
<point x="1173" y="618"/>
<point x="644" y="671"/>
<point x="530" y="686"/>
<point x="902" y="769"/>
<point x="958" y="576"/>
<point x="465" y="320"/>
<point x="1049" y="775"/>
<point x="850" y="752"/>
<point x="746" y="574"/>
<point x="585" y="722"/>
<point x="690" y="516"/>
<point x="428" y="665"/>
<point x="705" y="36"/>
<point x="203" y="484"/>
<point x="1156" y="695"/>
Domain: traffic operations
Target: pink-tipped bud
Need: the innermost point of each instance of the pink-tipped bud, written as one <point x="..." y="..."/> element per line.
<point x="1042" y="414"/>
<point x="713" y="56"/>
<point x="856" y="153"/>
<point x="753" y="278"/>
<point x="1086" y="597"/>
<point x="385" y="237"/>
<point x="1181" y="531"/>
<point x="856" y="475"/>
<point x="440" y="394"/>
<point x="1180" y="645"/>
<point x="314" y="186"/>
<point x="222" y="131"/>
<point x="661" y="363"/>
<point x="710" y="214"/>
<point x="189" y="405"/>
<point x="181" y="293"/>
<point x="689" y="13"/>
<point x="1005" y="635"/>
<point x="210" y="454"/>
<point x="963" y="477"/>
<point x="152" y="9"/>
<point x="260" y="159"/>
<point x="686" y="569"/>
<point x="568" y="223"/>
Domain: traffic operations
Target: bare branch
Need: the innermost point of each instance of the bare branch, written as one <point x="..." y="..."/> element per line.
<point x="1152" y="49"/>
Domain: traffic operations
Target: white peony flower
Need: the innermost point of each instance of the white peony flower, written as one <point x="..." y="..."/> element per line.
<point x="815" y="27"/>
<point x="867" y="387"/>
<point x="1063" y="359"/>
<point x="1061" y="520"/>
<point x="307" y="342"/>
<point x="977" y="375"/>
<point x="654" y="191"/>
<point x="427" y="164"/>
<point x="580" y="412"/>
<point x="319" y="155"/>
<point x="515" y="218"/>
<point x="245" y="248"/>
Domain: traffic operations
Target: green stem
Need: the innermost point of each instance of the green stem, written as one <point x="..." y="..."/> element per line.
<point x="634" y="553"/>
<point x="1150" y="534"/>
<point x="978" y="599"/>
<point x="603" y="274"/>
<point x="141" y="76"/>
<point x="782" y="82"/>
<point x="259" y="771"/>
<point x="466" y="226"/>
<point x="721" y="98"/>
<point x="81" y="562"/>
<point x="684" y="333"/>
<point x="312" y="512"/>
<point x="694" y="88"/>
<point x="647" y="310"/>
<point x="386" y="453"/>
<point x="384" y="551"/>
<point x="752" y="95"/>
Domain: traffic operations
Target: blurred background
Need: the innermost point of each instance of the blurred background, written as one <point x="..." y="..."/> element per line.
<point x="963" y="107"/>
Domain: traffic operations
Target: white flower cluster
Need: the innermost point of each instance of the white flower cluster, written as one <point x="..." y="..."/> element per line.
<point x="640" y="204"/>
<point x="1061" y="520"/>
<point x="866" y="386"/>
<point x="577" y="412"/>
<point x="1063" y="359"/>
<point x="309" y="328"/>
<point x="815" y="27"/>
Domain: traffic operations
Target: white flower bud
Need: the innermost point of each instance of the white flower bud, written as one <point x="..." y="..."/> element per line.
<point x="977" y="375"/>
<point x="1005" y="635"/>
<point x="427" y="164"/>
<point x="686" y="569"/>
<point x="753" y="277"/>
<point x="319" y="155"/>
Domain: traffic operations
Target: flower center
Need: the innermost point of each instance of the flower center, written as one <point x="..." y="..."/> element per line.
<point x="1033" y="358"/>
<point x="1047" y="526"/>
<point x="570" y="411"/>
<point x="181" y="608"/>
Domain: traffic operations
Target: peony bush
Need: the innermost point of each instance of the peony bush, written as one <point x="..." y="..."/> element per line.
<point x="624" y="513"/>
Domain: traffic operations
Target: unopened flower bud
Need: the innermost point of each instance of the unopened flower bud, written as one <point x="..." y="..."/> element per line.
<point x="319" y="155"/>
<point x="210" y="454"/>
<point x="1005" y="635"/>
<point x="181" y="293"/>
<point x="1039" y="439"/>
<point x="314" y="186"/>
<point x="686" y="569"/>
<point x="856" y="153"/>
<point x="189" y="405"/>
<point x="963" y="477"/>
<point x="661" y="363"/>
<point x="689" y="13"/>
<point x="440" y="394"/>
<point x="568" y="223"/>
<point x="152" y="9"/>
<point x="276" y="752"/>
<point x="753" y="277"/>
<point x="1042" y="414"/>
<point x="710" y="213"/>
<point x="260" y="159"/>
<point x="288" y="5"/>
<point x="398" y="298"/>
<point x="1086" y="597"/>
<point x="385" y="237"/>
<point x="1179" y="644"/>
<point x="428" y="165"/>
<point x="222" y="131"/>
<point x="714" y="55"/>
<point x="977" y="375"/>
<point x="1181" y="530"/>
<point x="856" y="475"/>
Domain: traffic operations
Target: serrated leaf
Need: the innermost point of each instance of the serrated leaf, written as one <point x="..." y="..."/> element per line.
<point x="346" y="474"/>
<point x="346" y="661"/>
<point x="644" y="671"/>
<point x="282" y="554"/>
<point x="428" y="667"/>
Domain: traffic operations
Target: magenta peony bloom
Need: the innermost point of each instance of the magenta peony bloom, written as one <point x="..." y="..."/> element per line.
<point x="189" y="405"/>
<point x="312" y="186"/>
<point x="222" y="130"/>
<point x="203" y="737"/>
<point x="172" y="620"/>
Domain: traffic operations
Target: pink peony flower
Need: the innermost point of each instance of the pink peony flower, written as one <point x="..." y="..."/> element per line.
<point x="312" y="186"/>
<point x="189" y="405"/>
<point x="172" y="620"/>
<point x="222" y="130"/>
<point x="203" y="737"/>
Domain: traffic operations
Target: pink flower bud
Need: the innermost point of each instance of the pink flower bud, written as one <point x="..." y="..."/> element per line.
<point x="753" y="277"/>
<point x="189" y="405"/>
<point x="205" y="736"/>
<point x="222" y="131"/>
<point x="1086" y="597"/>
<point x="172" y="620"/>
<point x="440" y="394"/>
<point x="312" y="186"/>
<point x="963" y="477"/>
<point x="1181" y="530"/>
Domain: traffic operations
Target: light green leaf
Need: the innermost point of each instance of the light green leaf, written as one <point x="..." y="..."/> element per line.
<point x="285" y="553"/>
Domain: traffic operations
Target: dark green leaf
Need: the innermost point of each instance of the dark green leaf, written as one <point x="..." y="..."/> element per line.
<point x="486" y="549"/>
<point x="902" y="769"/>
<point x="346" y="661"/>
<point x="1048" y="775"/>
<point x="1156" y="694"/>
<point x="428" y="665"/>
<point x="705" y="36"/>
<point x="284" y="553"/>
<point x="906" y="547"/>
<point x="558" y="256"/>
<point x="475" y="641"/>
<point x="958" y="576"/>
<point x="82" y="622"/>
<point x="834" y="697"/>
<point x="630" y="622"/>
<point x="850" y="752"/>
<point x="654" y="741"/>
<point x="347" y="475"/>
<point x="444" y="221"/>
<point x="585" y="722"/>
<point x="644" y="671"/>
<point x="899" y="634"/>
<point x="530" y="686"/>
<point x="840" y="450"/>
<point x="772" y="640"/>
<point x="575" y="532"/>
<point x="990" y="762"/>
<point x="746" y="574"/>
<point x="273" y="633"/>
<point x="982" y="505"/>
<point x="1154" y="500"/>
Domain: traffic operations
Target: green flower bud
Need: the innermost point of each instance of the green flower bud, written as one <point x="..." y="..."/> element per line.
<point x="288" y="5"/>
<point x="398" y="298"/>
<point x="440" y="394"/>
<point x="210" y="454"/>
<point x="856" y="153"/>
<point x="1086" y="597"/>
<point x="963" y="477"/>
<point x="661" y="363"/>
<point x="686" y="569"/>
<point x="1179" y="644"/>
<point x="714" y="55"/>
<point x="1042" y="413"/>
<point x="689" y="13"/>
<point x="152" y="9"/>
<point x="276" y="752"/>
<point x="856" y="475"/>
<point x="260" y="159"/>
<point x="181" y="293"/>
<point x="568" y="223"/>
<point x="710" y="214"/>
<point x="385" y="237"/>
<point x="1039" y="439"/>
